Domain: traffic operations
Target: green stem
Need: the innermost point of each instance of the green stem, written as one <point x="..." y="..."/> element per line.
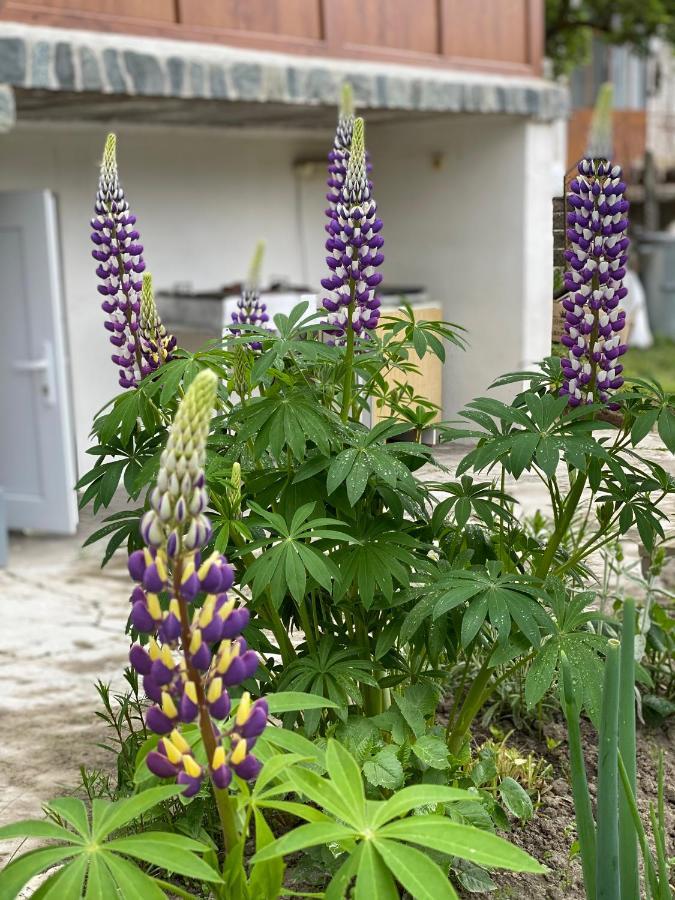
<point x="566" y="517"/>
<point x="347" y="385"/>
<point x="470" y="706"/>
<point x="607" y="829"/>
<point x="628" y="851"/>
<point x="582" y="800"/>
<point x="276" y="626"/>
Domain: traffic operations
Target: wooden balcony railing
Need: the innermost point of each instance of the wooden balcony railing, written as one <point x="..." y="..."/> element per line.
<point x="484" y="35"/>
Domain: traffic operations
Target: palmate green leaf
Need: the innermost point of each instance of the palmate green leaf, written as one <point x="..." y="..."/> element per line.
<point x="346" y="776"/>
<point x="73" y="811"/>
<point x="100" y="883"/>
<point x="290" y="701"/>
<point x="666" y="426"/>
<point x="439" y="833"/>
<point x="415" y="797"/>
<point x="108" y="817"/>
<point x="310" y="835"/>
<point x="132" y="882"/>
<point x="340" y="469"/>
<point x="20" y="870"/>
<point x="418" y="874"/>
<point x="39" y="828"/>
<point x="373" y="879"/>
<point x="540" y="675"/>
<point x="173" y="852"/>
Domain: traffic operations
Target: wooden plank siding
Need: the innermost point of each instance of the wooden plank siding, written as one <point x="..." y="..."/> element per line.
<point x="483" y="35"/>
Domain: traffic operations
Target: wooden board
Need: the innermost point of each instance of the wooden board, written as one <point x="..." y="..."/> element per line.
<point x="428" y="383"/>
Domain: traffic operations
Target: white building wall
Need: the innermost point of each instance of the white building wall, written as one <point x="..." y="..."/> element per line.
<point x="466" y="203"/>
<point x="467" y="208"/>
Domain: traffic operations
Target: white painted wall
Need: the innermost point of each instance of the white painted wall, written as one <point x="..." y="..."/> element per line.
<point x="467" y="208"/>
<point x="202" y="199"/>
<point x="466" y="203"/>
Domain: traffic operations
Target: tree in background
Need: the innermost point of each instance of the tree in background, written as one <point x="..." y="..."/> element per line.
<point x="571" y="24"/>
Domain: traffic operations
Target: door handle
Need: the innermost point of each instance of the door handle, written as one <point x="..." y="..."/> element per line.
<point x="31" y="365"/>
<point x="45" y="365"/>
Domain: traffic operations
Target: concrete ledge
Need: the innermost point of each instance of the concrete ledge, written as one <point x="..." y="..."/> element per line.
<point x="55" y="59"/>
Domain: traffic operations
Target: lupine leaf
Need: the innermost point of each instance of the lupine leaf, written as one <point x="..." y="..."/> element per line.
<point x="131" y="881"/>
<point x="19" y="871"/>
<point x="415" y="796"/>
<point x="100" y="883"/>
<point x="290" y="701"/>
<point x="108" y="817"/>
<point x="41" y="828"/>
<point x="373" y="879"/>
<point x="346" y="776"/>
<point x="541" y="672"/>
<point x="418" y="874"/>
<point x="305" y="836"/>
<point x="439" y="833"/>
<point x="172" y="852"/>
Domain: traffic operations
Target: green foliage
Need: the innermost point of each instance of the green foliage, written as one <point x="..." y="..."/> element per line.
<point x="378" y="840"/>
<point x="94" y="851"/>
<point x="570" y="27"/>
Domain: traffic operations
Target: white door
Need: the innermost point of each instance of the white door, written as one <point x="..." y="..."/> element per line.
<point x="37" y="464"/>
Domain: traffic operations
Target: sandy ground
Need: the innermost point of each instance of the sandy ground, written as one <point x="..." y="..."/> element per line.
<point x="63" y="628"/>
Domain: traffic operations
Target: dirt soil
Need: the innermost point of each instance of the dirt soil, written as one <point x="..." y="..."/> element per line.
<point x="550" y="834"/>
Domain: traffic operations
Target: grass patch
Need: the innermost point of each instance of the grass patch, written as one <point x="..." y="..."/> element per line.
<point x="657" y="362"/>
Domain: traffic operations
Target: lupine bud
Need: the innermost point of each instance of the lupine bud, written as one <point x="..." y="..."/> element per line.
<point x="354" y="245"/>
<point x="181" y="477"/>
<point x="156" y="345"/>
<point x="597" y="223"/>
<point x="250" y="311"/>
<point x="120" y="264"/>
<point x="233" y="491"/>
<point x="339" y="155"/>
<point x="172" y="573"/>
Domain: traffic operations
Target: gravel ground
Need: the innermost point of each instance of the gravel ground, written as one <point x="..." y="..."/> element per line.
<point x="63" y="629"/>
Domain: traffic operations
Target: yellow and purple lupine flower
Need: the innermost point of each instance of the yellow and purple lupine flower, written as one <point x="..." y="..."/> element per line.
<point x="354" y="246"/>
<point x="155" y="343"/>
<point x="250" y="311"/>
<point x="192" y="656"/>
<point x="120" y="264"/>
<point x="597" y="226"/>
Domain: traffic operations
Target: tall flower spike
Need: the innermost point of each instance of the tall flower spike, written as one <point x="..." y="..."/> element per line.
<point x="250" y="310"/>
<point x="120" y="264"/>
<point x="156" y="345"/>
<point x="176" y="518"/>
<point x="354" y="245"/>
<point x="597" y="226"/>
<point x="339" y="154"/>
<point x="192" y="657"/>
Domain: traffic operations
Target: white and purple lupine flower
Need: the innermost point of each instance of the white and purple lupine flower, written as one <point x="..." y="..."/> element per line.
<point x="184" y="674"/>
<point x="338" y="157"/>
<point x="120" y="264"/>
<point x="354" y="245"/>
<point x="250" y="310"/>
<point x="155" y="343"/>
<point x="597" y="226"/>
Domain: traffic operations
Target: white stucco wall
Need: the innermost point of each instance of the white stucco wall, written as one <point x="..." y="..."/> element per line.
<point x="466" y="203"/>
<point x="467" y="206"/>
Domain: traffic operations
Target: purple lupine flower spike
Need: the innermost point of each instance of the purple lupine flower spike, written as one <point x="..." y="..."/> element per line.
<point x="120" y="264"/>
<point x="339" y="155"/>
<point x="156" y="345"/>
<point x="597" y="225"/>
<point x="183" y="674"/>
<point x="250" y="310"/>
<point x="355" y="247"/>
